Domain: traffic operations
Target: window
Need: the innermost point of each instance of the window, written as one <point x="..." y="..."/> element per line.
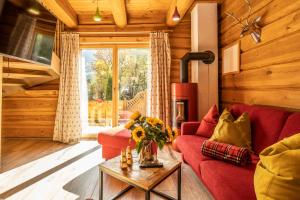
<point x="117" y="83"/>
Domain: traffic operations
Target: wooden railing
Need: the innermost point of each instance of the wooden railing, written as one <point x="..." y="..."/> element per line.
<point x="137" y="103"/>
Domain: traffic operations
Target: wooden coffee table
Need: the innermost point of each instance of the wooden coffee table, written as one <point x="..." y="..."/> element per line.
<point x="145" y="179"/>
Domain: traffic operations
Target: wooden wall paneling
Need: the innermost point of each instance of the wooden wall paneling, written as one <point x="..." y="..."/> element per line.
<point x="286" y="98"/>
<point x="180" y="42"/>
<point x="274" y="76"/>
<point x="270" y="70"/>
<point x="1" y="69"/>
<point x="279" y="9"/>
<point x="30" y="114"/>
<point x="280" y="28"/>
<point x="285" y="49"/>
<point x="51" y="85"/>
<point x="239" y="10"/>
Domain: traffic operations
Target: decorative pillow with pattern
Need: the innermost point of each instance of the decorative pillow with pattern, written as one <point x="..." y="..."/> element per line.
<point x="226" y="152"/>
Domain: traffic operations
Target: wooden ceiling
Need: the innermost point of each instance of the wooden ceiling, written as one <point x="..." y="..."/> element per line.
<point x="119" y="12"/>
<point x="138" y="11"/>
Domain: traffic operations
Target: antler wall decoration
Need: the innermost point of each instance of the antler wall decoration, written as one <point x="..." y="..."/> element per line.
<point x="251" y="27"/>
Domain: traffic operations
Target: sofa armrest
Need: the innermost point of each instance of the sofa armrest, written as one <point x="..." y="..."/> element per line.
<point x="189" y="128"/>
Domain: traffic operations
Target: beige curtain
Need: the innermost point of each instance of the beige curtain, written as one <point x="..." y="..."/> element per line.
<point x="159" y="95"/>
<point x="67" y="127"/>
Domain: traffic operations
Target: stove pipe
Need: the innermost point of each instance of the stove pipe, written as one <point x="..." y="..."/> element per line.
<point x="207" y="57"/>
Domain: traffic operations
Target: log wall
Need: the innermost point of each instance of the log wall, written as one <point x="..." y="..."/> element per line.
<point x="270" y="70"/>
<point x="180" y="42"/>
<point x="30" y="113"/>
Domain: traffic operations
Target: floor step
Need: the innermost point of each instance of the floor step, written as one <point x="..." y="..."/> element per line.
<point x="28" y="174"/>
<point x="51" y="187"/>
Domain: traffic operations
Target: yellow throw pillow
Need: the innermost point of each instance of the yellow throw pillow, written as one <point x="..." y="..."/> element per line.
<point x="277" y="174"/>
<point x="226" y="115"/>
<point x="234" y="132"/>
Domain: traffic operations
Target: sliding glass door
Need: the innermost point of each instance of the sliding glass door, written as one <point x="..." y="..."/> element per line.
<point x="116" y="82"/>
<point x="132" y="66"/>
<point x="98" y="65"/>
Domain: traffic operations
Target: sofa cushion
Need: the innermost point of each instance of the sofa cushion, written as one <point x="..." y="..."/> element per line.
<point x="209" y="122"/>
<point x="226" y="152"/>
<point x="226" y="181"/>
<point x="277" y="173"/>
<point x="266" y="124"/>
<point x="238" y="109"/>
<point x="234" y="132"/>
<point x="292" y="126"/>
<point x="190" y="147"/>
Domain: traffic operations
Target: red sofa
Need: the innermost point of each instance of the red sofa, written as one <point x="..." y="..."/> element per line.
<point x="224" y="180"/>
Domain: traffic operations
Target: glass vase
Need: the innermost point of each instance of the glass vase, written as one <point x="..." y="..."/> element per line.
<point x="148" y="152"/>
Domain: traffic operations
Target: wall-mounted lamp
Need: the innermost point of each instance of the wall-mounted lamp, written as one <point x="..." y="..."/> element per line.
<point x="97" y="17"/>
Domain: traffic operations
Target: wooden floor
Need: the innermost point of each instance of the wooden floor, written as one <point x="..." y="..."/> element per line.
<point x="17" y="152"/>
<point x="79" y="179"/>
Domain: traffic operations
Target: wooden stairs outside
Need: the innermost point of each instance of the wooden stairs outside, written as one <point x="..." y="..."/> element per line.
<point x="19" y="75"/>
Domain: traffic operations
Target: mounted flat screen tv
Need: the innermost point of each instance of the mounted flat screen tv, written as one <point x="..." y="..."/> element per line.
<point x="27" y="31"/>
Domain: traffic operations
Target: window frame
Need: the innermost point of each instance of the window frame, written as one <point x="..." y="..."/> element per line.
<point x="115" y="71"/>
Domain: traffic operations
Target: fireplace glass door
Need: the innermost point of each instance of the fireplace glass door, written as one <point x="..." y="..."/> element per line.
<point x="180" y="112"/>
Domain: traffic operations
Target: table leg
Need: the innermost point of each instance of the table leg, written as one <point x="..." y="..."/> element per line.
<point x="101" y="185"/>
<point x="179" y="184"/>
<point x="147" y="195"/>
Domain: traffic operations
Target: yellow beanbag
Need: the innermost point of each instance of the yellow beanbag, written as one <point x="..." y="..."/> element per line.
<point x="234" y="132"/>
<point x="277" y="174"/>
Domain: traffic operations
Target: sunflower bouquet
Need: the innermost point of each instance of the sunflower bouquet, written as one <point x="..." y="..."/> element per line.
<point x="145" y="129"/>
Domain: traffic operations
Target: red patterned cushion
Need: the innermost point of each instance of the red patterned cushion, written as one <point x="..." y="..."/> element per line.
<point x="209" y="122"/>
<point x="226" y="152"/>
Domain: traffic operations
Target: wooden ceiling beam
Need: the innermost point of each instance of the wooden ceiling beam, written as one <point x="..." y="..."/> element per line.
<point x="119" y="12"/>
<point x="62" y="10"/>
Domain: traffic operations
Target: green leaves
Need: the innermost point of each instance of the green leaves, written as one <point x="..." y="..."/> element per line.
<point x="139" y="146"/>
<point x="160" y="144"/>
